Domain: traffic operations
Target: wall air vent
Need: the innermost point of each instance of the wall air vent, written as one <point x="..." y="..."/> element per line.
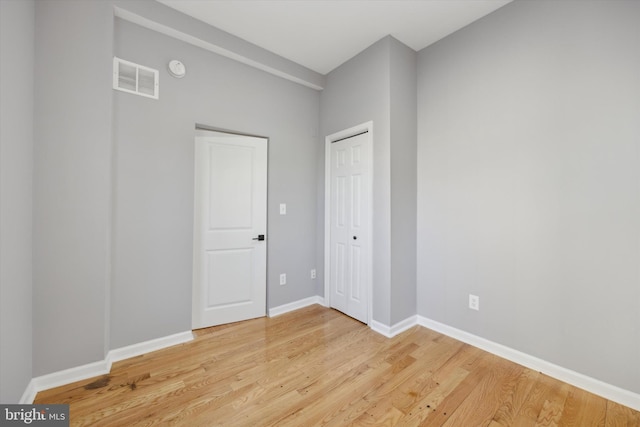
<point x="134" y="78"/>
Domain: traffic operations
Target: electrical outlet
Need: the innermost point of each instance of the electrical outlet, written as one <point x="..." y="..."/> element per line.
<point x="283" y="279"/>
<point x="474" y="302"/>
<point x="313" y="273"/>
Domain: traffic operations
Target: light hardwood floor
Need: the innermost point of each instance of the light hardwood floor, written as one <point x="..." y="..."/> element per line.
<point x="316" y="366"/>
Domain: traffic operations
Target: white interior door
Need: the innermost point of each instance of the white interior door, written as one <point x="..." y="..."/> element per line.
<point x="230" y="257"/>
<point x="350" y="238"/>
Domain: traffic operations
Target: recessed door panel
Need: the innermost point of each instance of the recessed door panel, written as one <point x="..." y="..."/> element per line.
<point x="356" y="202"/>
<point x="230" y="186"/>
<point x="356" y="279"/>
<point x="228" y="278"/>
<point x="341" y="201"/>
<point x="340" y="271"/>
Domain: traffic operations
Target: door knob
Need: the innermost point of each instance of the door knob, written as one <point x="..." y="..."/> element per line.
<point x="260" y="237"/>
<point x="355" y="237"/>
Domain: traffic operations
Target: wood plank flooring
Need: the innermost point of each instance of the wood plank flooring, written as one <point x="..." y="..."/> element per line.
<point x="316" y="366"/>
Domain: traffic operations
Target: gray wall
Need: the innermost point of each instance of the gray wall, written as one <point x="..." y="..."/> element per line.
<point x="72" y="187"/>
<point x="379" y="84"/>
<point x="154" y="175"/>
<point x="403" y="93"/>
<point x="356" y="92"/>
<point x="17" y="19"/>
<point x="113" y="181"/>
<point x="152" y="14"/>
<point x="529" y="183"/>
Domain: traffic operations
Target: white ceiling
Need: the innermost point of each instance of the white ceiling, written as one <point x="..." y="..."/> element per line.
<point x="322" y="34"/>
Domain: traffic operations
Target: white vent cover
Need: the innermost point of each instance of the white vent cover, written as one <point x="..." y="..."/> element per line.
<point x="134" y="78"/>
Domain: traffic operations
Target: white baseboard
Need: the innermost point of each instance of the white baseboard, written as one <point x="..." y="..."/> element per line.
<point x="102" y="367"/>
<point x="285" y="308"/>
<point x="29" y="394"/>
<point x="148" y="346"/>
<point x="392" y="331"/>
<point x="67" y="376"/>
<point x="592" y="385"/>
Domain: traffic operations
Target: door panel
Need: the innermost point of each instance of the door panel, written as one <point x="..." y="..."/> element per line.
<point x="228" y="280"/>
<point x="356" y="268"/>
<point x="230" y="212"/>
<point x="230" y="191"/>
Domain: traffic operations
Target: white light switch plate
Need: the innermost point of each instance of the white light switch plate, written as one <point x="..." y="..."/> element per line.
<point x="283" y="208"/>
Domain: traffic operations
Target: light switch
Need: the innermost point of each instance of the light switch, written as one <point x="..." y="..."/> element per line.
<point x="283" y="208"/>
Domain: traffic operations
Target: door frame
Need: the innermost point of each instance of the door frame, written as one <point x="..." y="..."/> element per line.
<point x="368" y="157"/>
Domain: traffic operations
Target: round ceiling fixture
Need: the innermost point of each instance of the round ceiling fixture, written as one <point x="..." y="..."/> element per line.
<point x="177" y="69"/>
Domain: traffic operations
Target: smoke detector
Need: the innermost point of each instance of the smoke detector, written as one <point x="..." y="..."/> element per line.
<point x="177" y="69"/>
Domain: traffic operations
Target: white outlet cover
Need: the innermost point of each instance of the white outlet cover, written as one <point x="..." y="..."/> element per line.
<point x="474" y="302"/>
<point x="313" y="273"/>
<point x="283" y="279"/>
